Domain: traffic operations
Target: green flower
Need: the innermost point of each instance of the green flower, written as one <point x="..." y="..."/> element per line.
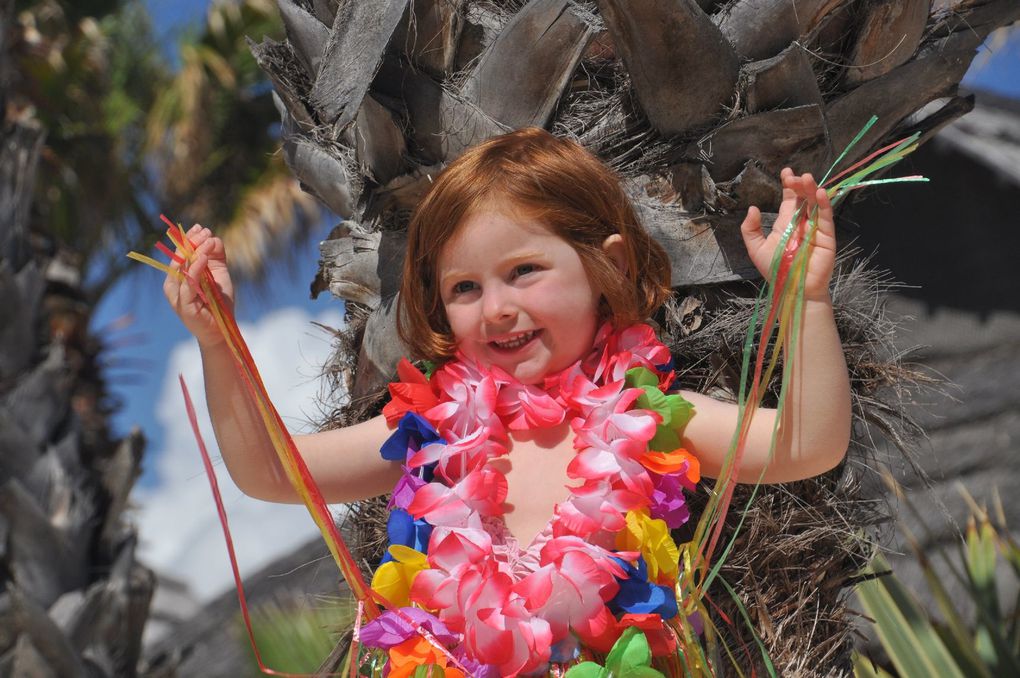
<point x="629" y="658"/>
<point x="674" y="410"/>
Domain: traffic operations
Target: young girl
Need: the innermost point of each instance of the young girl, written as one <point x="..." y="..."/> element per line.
<point x="529" y="471"/>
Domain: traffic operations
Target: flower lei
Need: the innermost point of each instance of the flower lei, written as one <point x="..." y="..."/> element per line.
<point x="491" y="621"/>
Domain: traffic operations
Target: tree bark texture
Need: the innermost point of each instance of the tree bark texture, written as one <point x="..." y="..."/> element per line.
<point x="712" y="99"/>
<point x="696" y="104"/>
<point x="73" y="600"/>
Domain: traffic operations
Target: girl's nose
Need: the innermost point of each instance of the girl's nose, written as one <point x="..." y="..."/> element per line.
<point x="497" y="304"/>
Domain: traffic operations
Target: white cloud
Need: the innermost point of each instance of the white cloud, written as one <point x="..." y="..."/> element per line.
<point x="180" y="531"/>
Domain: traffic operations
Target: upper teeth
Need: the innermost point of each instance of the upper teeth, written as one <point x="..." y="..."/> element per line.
<point x="519" y="340"/>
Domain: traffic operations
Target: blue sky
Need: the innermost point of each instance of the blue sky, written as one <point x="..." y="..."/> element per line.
<point x="180" y="533"/>
<point x="997" y="68"/>
<point x="169" y="17"/>
<point x="155" y="330"/>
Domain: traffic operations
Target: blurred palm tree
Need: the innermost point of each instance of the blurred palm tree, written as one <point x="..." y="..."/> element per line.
<point x="99" y="135"/>
<point x="89" y="72"/>
<point x="128" y="138"/>
<point x="214" y="136"/>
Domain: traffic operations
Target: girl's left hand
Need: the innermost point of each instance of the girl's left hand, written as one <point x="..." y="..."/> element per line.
<point x="797" y="191"/>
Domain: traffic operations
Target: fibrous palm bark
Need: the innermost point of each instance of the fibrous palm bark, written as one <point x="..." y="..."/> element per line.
<point x="697" y="105"/>
<point x="73" y="600"/>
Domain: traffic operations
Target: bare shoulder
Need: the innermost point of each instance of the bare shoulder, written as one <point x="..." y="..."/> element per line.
<point x="346" y="462"/>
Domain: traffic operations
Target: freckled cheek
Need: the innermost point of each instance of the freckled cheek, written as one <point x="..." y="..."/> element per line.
<point x="459" y="319"/>
<point x="575" y="302"/>
<point x="572" y="314"/>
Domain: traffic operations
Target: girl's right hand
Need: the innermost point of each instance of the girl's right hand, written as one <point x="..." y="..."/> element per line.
<point x="193" y="312"/>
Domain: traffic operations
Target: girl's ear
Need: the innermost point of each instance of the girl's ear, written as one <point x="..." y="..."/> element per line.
<point x="616" y="250"/>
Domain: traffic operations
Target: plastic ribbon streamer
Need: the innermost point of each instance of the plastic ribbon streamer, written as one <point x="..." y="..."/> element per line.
<point x="777" y="311"/>
<point x="304" y="484"/>
<point x="222" y="513"/>
<point x="294" y="466"/>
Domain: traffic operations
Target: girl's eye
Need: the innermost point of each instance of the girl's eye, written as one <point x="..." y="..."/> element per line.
<point x="524" y="269"/>
<point x="463" y="286"/>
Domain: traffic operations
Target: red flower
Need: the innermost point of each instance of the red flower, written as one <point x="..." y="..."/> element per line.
<point x="413" y="393"/>
<point x="605" y="630"/>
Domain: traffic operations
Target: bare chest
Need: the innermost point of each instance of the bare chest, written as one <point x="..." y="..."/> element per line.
<point x="536" y="474"/>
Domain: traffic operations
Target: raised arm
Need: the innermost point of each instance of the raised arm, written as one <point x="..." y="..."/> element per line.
<point x="345" y="462"/>
<point x="814" y="432"/>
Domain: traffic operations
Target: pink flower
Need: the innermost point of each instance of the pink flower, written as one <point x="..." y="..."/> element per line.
<point x="642" y="347"/>
<point x="596" y="362"/>
<point x="482" y="490"/>
<point x="606" y="414"/>
<point x="572" y="585"/>
<point x="634" y="346"/>
<point x="455" y="460"/>
<point x="478" y="600"/>
<point x="566" y="384"/>
<point x="454" y="548"/>
<point x="469" y="402"/>
<point x="585" y="395"/>
<point x="617" y="461"/>
<point x="498" y="628"/>
<point x="596" y="505"/>
<point x="525" y="406"/>
<point x="606" y="459"/>
<point x="451" y="553"/>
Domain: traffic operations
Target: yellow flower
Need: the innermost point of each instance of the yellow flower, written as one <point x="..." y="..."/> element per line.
<point x="393" y="579"/>
<point x="651" y="537"/>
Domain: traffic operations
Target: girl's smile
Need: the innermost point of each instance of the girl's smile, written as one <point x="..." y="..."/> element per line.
<point x="516" y="295"/>
<point x="515" y="341"/>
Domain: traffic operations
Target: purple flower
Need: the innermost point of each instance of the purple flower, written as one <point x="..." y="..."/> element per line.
<point x="474" y="668"/>
<point x="694" y="619"/>
<point x="403" y="491"/>
<point x="567" y="650"/>
<point x="668" y="502"/>
<point x="395" y="626"/>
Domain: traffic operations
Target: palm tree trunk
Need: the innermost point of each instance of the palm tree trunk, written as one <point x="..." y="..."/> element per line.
<point x="74" y="599"/>
<point x="697" y="105"/>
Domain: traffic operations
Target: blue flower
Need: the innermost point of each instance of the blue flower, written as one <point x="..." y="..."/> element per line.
<point x="406" y="531"/>
<point x="567" y="650"/>
<point x="637" y="595"/>
<point x="411" y="434"/>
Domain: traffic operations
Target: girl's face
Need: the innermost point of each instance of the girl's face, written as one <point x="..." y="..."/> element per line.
<point x="516" y="295"/>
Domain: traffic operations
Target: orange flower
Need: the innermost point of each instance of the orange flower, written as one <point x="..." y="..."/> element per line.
<point x="603" y="636"/>
<point x="406" y="657"/>
<point x="665" y="463"/>
<point x="693" y="469"/>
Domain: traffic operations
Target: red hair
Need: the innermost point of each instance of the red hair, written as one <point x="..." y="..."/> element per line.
<point x="562" y="186"/>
